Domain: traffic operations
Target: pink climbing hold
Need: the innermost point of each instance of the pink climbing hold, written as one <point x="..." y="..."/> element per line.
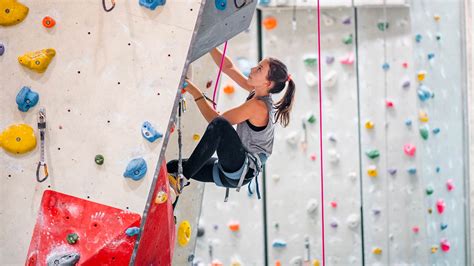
<point x="440" y="205"/>
<point x="405" y="65"/>
<point x="415" y="229"/>
<point x="348" y="60"/>
<point x="409" y="149"/>
<point x="445" y="245"/>
<point x="334" y="204"/>
<point x="449" y="185"/>
<point x="388" y="103"/>
<point x="313" y="157"/>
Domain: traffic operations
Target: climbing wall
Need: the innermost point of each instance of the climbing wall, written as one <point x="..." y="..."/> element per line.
<point x="97" y="96"/>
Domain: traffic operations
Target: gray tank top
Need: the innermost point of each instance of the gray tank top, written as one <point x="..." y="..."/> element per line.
<point x="259" y="141"/>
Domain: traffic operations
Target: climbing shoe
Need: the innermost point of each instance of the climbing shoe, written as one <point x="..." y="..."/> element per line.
<point x="177" y="183"/>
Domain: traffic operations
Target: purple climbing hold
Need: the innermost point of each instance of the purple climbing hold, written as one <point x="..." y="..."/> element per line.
<point x="392" y="171"/>
<point x="329" y="60"/>
<point x="376" y="211"/>
<point x="347" y="21"/>
<point x="406" y="84"/>
<point x="334" y="224"/>
<point x="2" y="49"/>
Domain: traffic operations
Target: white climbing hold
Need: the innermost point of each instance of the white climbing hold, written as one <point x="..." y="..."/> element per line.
<point x="330" y="79"/>
<point x="276" y="177"/>
<point x="333" y="156"/>
<point x="353" y="221"/>
<point x="292" y="139"/>
<point x="312" y="206"/>
<point x="311" y="79"/>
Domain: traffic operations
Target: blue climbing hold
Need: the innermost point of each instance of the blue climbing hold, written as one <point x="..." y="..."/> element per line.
<point x="431" y="56"/>
<point x="149" y="133"/>
<point x="132" y="231"/>
<point x="221" y="4"/>
<point x="444" y="226"/>
<point x="26" y="99"/>
<point x="418" y="38"/>
<point x="386" y="66"/>
<point x="438" y="169"/>
<point x="279" y="244"/>
<point x="412" y="171"/>
<point x="152" y="4"/>
<point x="436" y="130"/>
<point x="408" y="122"/>
<point x="264" y="2"/>
<point x="2" y="49"/>
<point x="185" y="84"/>
<point x="424" y="93"/>
<point x="136" y="169"/>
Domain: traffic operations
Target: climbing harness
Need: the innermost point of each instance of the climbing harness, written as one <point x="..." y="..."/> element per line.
<point x="42" y="130"/>
<point x="105" y="7"/>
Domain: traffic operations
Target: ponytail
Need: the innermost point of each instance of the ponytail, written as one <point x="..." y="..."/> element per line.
<point x="278" y="73"/>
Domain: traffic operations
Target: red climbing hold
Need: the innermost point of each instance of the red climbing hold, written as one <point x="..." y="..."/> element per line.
<point x="48" y="22"/>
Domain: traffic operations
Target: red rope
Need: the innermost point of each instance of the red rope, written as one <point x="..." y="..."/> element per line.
<point x="321" y="133"/>
<point x="218" y="76"/>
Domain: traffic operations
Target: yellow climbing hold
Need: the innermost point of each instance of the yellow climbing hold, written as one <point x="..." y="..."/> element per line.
<point x="184" y="233"/>
<point x="421" y="75"/>
<point x="377" y="251"/>
<point x="315" y="262"/>
<point x="37" y="61"/>
<point x="161" y="197"/>
<point x="372" y="171"/>
<point x="12" y="12"/>
<point x="196" y="137"/>
<point x="423" y="116"/>
<point x="19" y="139"/>
<point x="235" y="263"/>
<point x="434" y="249"/>
<point x="369" y="124"/>
<point x="437" y="17"/>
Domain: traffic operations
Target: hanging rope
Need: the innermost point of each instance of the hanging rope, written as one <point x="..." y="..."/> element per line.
<point x="321" y="135"/>
<point x="105" y="7"/>
<point x="218" y="76"/>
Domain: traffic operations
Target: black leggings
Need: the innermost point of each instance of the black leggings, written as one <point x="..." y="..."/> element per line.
<point x="220" y="136"/>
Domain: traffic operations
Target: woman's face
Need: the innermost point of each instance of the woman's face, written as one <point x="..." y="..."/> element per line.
<point x="258" y="75"/>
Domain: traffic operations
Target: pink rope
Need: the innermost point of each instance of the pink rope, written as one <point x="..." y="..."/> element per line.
<point x="219" y="75"/>
<point x="321" y="133"/>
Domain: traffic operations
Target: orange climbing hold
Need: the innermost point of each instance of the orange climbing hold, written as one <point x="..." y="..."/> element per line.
<point x="234" y="227"/>
<point x="229" y="89"/>
<point x="269" y="23"/>
<point x="48" y="22"/>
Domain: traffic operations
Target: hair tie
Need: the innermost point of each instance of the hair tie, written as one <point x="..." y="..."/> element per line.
<point x="289" y="77"/>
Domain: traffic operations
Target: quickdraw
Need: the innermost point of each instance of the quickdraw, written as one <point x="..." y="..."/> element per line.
<point x="42" y="130"/>
<point x="105" y="7"/>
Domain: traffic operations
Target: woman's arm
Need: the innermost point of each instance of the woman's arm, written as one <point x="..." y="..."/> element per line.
<point x="230" y="69"/>
<point x="204" y="106"/>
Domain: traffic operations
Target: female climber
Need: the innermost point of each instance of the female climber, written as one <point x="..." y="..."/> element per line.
<point x="241" y="152"/>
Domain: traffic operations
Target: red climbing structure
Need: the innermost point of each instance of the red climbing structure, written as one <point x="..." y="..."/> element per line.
<point x="100" y="230"/>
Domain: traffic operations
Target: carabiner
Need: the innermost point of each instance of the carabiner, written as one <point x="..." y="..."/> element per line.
<point x="46" y="174"/>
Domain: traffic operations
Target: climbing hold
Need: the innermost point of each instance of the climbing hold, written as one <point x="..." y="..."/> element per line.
<point x="216" y="262"/>
<point x="440" y="206"/>
<point x="37" y="61"/>
<point x="12" y="12"/>
<point x="291" y="138"/>
<point x="421" y="75"/>
<point x="424" y="132"/>
<point x="438" y="36"/>
<point x="276" y="177"/>
<point x="161" y="197"/>
<point x="392" y="171"/>
<point x="437" y="18"/>
<point x="423" y="116"/>
<point x="313" y="157"/>
<point x="264" y="2"/>
<point x="406" y="84"/>
<point x="315" y="263"/>
<point x="136" y="169"/>
<point x="372" y="154"/>
<point x="132" y="231"/>
<point x="244" y="65"/>
<point x="149" y="132"/>
<point x="229" y="89"/>
<point x="389" y="103"/>
<point x="409" y="149"/>
<point x="445" y="245"/>
<point x="221" y="4"/>
<point x="382" y="26"/>
<point x="332" y="138"/>
<point x="353" y="221"/>
<point x="369" y="124"/>
<point x="208" y="84"/>
<point x="431" y="56"/>
<point x="277" y="226"/>
<point x="424" y="93"/>
<point x="346" y="21"/>
<point x="234" y="226"/>
<point x="296" y="261"/>
<point x="408" y="122"/>
<point x="449" y="185"/>
<point x="438" y="169"/>
<point x="411" y="170"/>
<point x="434" y="249"/>
<point x="201" y="231"/>
<point x="72" y="238"/>
<point x="216" y="227"/>
<point x="377" y="251"/>
<point x="279" y="244"/>
<point x="415" y="229"/>
<point x="2" y="49"/>
<point x="372" y="171"/>
<point x="311" y="79"/>
<point x="63" y="259"/>
<point x="328" y="21"/>
<point x="443" y="226"/>
<point x="386" y="66"/>
<point x="429" y="191"/>
<point x="26" y="98"/>
<point x="330" y="79"/>
<point x="430" y="210"/>
<point x="311" y="118"/>
<point x="348" y="60"/>
<point x="310" y="60"/>
<point x="184" y="233"/>
<point x="196" y="137"/>
<point x="235" y="262"/>
<point x="48" y="22"/>
<point x="405" y="65"/>
<point x="151" y="4"/>
<point x="333" y="204"/>
<point x="418" y="38"/>
<point x="334" y="156"/>
<point x="99" y="159"/>
<point x="348" y="39"/>
<point x="269" y="23"/>
<point x="436" y="130"/>
<point x="312" y="206"/>
<point x="18" y="139"/>
<point x="376" y="211"/>
<point x="329" y="60"/>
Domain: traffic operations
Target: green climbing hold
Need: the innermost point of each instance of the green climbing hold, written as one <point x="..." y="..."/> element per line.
<point x="382" y="26"/>
<point x="311" y="119"/>
<point x="310" y="61"/>
<point x="348" y="39"/>
<point x="429" y="191"/>
<point x="424" y="132"/>
<point x="72" y="238"/>
<point x="372" y="154"/>
<point x="99" y="159"/>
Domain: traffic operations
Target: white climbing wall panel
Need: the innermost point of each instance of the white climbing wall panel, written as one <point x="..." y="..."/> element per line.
<point x="112" y="72"/>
